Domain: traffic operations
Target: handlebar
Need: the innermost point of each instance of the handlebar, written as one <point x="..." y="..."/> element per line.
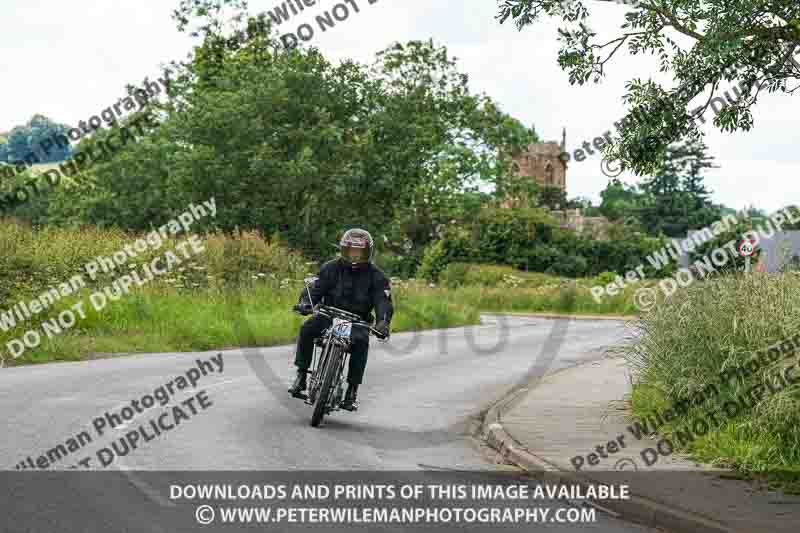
<point x="339" y="313"/>
<point x="335" y="312"/>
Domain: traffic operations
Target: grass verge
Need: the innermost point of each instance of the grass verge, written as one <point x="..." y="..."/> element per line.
<point x="166" y="319"/>
<point x="687" y="352"/>
<point x="567" y="299"/>
<point x="199" y="306"/>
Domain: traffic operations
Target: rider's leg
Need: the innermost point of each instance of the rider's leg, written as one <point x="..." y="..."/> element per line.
<point x="311" y="328"/>
<point x="359" y="349"/>
<point x="358" y="363"/>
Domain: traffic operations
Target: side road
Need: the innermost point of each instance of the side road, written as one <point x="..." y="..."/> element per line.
<point x="569" y="426"/>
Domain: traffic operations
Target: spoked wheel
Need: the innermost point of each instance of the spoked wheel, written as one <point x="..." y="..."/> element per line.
<point x="323" y="394"/>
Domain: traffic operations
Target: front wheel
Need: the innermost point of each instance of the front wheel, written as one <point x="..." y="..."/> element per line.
<point x="323" y="394"/>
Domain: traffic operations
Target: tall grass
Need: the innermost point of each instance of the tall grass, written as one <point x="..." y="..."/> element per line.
<point x="237" y="292"/>
<point x="31" y="260"/>
<point x="687" y="343"/>
<point x="166" y="319"/>
<point x="566" y="299"/>
<point x="503" y="288"/>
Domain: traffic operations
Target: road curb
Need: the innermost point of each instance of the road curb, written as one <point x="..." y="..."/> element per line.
<point x="637" y="509"/>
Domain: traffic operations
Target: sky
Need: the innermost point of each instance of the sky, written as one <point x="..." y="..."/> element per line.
<point x="71" y="60"/>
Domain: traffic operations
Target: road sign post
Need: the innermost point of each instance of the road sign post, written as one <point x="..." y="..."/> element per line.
<point x="747" y="249"/>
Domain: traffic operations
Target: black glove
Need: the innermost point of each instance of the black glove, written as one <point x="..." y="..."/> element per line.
<point x="303" y="308"/>
<point x="383" y="329"/>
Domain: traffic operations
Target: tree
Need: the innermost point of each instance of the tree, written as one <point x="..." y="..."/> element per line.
<point x="733" y="236"/>
<point x="287" y="141"/>
<point x="24" y="143"/>
<point x="553" y="198"/>
<point x="690" y="160"/>
<point x="430" y="143"/>
<point x="758" y="216"/>
<point x="584" y="204"/>
<point x="676" y="199"/>
<point x="19" y="143"/>
<point x="452" y="141"/>
<point x="43" y="129"/>
<point x="619" y="200"/>
<point x="749" y="41"/>
<point x="794" y="211"/>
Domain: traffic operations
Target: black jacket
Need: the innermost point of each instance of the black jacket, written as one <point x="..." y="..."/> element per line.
<point x="360" y="292"/>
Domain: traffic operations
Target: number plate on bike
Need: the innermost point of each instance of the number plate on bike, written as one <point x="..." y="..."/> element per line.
<point x="341" y="328"/>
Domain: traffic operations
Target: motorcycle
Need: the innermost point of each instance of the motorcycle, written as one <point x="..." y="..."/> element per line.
<point x="327" y="375"/>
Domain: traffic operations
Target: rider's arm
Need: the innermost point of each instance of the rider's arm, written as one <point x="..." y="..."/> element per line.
<point x="382" y="299"/>
<point x="324" y="284"/>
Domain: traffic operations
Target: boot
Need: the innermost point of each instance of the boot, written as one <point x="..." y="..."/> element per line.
<point x="350" y="402"/>
<point x="299" y="384"/>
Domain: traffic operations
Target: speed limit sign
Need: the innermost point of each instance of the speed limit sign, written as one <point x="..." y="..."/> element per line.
<point x="746" y="249"/>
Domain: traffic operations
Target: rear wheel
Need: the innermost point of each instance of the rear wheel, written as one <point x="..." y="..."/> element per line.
<point x="323" y="394"/>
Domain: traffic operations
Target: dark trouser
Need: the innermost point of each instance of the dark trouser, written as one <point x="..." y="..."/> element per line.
<point x="313" y="328"/>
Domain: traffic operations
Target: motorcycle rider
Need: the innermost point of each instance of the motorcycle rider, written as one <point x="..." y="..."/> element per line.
<point x="351" y="282"/>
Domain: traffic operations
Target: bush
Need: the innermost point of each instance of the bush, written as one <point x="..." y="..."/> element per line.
<point x="239" y="258"/>
<point x="572" y="266"/>
<point x="31" y="261"/>
<point x="454" y="275"/>
<point x="736" y="262"/>
<point x="541" y="257"/>
<point x="395" y="265"/>
<point x="604" y="278"/>
<point x="689" y="340"/>
<point x="471" y="275"/>
<point x="548" y="299"/>
<point x="496" y="276"/>
<point x="530" y="239"/>
<point x="194" y="306"/>
<point x="434" y="260"/>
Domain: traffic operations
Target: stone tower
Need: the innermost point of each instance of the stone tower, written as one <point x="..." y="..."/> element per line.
<point x="543" y="163"/>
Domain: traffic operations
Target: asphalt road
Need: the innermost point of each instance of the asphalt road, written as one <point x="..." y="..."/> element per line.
<point x="422" y="398"/>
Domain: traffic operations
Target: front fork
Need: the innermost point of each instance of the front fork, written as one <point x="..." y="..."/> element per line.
<point x="319" y="361"/>
<point x="313" y="382"/>
<point x="337" y="392"/>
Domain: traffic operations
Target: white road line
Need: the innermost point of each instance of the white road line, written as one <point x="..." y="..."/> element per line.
<point x="143" y="486"/>
<point x="125" y="424"/>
